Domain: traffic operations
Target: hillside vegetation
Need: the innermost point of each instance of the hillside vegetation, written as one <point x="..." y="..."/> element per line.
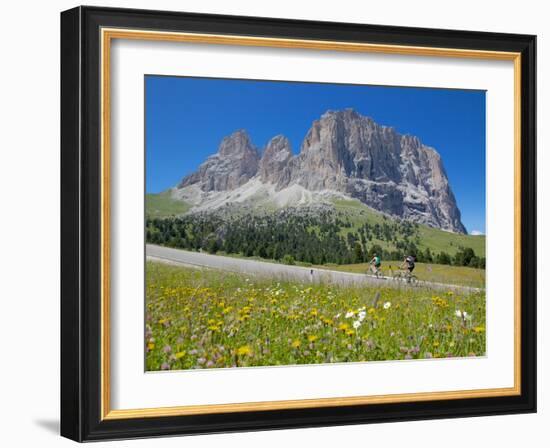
<point x="198" y="319"/>
<point x="344" y="232"/>
<point x="162" y="205"/>
<point x="425" y="272"/>
<point x="425" y="237"/>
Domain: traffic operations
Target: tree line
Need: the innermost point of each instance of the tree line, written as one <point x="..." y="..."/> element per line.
<point x="307" y="237"/>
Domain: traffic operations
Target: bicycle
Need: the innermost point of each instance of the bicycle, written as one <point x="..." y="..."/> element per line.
<point x="374" y="271"/>
<point x="405" y="275"/>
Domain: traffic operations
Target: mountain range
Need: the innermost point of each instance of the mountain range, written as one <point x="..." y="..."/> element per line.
<point x="343" y="155"/>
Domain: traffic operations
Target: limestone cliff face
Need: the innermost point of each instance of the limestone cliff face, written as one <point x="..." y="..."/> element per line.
<point x="235" y="163"/>
<point x="347" y="153"/>
<point x="274" y="165"/>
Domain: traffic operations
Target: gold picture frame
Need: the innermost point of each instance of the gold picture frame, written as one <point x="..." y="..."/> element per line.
<point x="106" y="31"/>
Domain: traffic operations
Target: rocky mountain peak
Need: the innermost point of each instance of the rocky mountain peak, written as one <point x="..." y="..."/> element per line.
<point x="274" y="164"/>
<point x="235" y="163"/>
<point x="238" y="143"/>
<point x="347" y="153"/>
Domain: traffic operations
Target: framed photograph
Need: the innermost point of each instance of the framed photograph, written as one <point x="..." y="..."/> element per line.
<point x="274" y="223"/>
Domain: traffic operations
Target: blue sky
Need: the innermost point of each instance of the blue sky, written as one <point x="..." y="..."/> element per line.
<point x="186" y="118"/>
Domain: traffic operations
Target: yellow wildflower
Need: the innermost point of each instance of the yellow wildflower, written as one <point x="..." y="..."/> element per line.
<point x="312" y="338"/>
<point x="179" y="355"/>
<point x="296" y="343"/>
<point x="244" y="350"/>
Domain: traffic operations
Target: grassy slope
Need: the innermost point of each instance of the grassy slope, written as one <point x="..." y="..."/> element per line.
<point x="454" y="275"/>
<point x="211" y="319"/>
<point x="437" y="240"/>
<point x="161" y="205"/>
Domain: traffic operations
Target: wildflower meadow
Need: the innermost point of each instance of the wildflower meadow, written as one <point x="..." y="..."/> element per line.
<point x="199" y="318"/>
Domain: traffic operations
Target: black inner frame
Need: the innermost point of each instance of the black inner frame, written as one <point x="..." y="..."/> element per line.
<point x="81" y="224"/>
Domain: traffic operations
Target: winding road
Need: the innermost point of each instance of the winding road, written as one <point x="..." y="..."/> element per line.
<point x="279" y="271"/>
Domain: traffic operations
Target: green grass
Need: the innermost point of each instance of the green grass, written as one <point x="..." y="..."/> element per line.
<point x="439" y="240"/>
<point x="438" y="273"/>
<point x="434" y="239"/>
<point x="211" y="319"/>
<point x="161" y="205"/>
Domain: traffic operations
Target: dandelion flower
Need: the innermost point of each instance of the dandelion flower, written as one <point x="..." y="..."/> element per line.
<point x="296" y="343"/>
<point x="312" y="338"/>
<point x="244" y="350"/>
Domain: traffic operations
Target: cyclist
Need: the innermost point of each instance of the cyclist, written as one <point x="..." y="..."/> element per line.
<point x="408" y="263"/>
<point x="375" y="264"/>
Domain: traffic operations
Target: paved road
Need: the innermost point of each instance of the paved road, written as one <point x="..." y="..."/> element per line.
<point x="275" y="270"/>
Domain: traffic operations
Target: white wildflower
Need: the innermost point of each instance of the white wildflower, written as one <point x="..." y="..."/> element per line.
<point x="387" y="305"/>
<point x="356" y="324"/>
<point x="349" y="314"/>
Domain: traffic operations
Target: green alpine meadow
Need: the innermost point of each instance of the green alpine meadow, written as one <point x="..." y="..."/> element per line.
<point x="198" y="318"/>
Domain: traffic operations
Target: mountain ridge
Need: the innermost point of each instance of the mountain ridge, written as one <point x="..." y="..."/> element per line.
<point x="344" y="154"/>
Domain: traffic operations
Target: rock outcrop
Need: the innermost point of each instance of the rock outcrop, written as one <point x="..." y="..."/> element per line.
<point x="274" y="165"/>
<point x="235" y="163"/>
<point x="346" y="153"/>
